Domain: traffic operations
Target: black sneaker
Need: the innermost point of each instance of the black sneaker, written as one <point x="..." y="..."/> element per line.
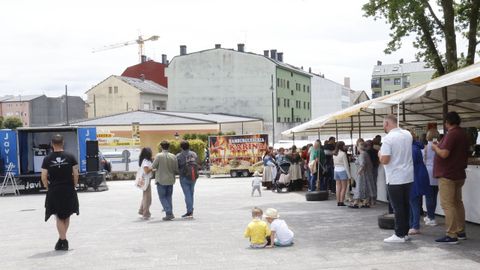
<point x="64" y="245"/>
<point x="58" y="245"/>
<point x="168" y="218"/>
<point x="188" y="215"/>
<point x="447" y="240"/>
<point x="462" y="236"/>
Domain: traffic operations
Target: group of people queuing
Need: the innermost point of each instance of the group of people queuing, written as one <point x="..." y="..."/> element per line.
<point x="415" y="169"/>
<point x="289" y="162"/>
<point x="163" y="168"/>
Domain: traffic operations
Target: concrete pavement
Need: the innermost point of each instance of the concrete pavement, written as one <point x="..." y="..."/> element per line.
<point x="109" y="234"/>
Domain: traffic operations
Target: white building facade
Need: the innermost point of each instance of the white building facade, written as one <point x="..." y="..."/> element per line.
<point x="231" y="82"/>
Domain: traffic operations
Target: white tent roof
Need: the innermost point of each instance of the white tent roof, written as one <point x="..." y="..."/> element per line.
<point x="417" y="106"/>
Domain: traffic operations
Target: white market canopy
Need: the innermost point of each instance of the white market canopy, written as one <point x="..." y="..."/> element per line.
<point x="416" y="106"/>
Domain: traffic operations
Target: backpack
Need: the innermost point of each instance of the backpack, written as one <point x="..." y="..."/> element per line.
<point x="190" y="170"/>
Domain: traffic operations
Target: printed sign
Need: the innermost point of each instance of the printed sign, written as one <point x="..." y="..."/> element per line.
<point x="236" y="152"/>
<point x="9" y="149"/>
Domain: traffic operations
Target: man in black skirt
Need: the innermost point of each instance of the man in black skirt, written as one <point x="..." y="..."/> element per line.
<point x="60" y="177"/>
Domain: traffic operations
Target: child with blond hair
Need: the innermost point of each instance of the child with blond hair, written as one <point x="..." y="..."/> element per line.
<point x="281" y="235"/>
<point x="257" y="230"/>
<point x="256" y="183"/>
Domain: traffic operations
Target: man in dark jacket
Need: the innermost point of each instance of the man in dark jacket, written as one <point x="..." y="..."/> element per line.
<point x="187" y="158"/>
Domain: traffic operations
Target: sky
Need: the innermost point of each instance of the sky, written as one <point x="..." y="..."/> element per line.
<point x="48" y="44"/>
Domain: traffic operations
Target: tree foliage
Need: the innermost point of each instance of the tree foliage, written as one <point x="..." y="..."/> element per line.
<point x="204" y="137"/>
<point x="12" y="122"/>
<point x="196" y="145"/>
<point x="433" y="24"/>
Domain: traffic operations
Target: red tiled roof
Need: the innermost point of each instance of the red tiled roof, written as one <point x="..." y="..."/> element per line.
<point x="152" y="70"/>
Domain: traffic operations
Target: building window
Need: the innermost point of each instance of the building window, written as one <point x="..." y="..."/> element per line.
<point x="278" y="102"/>
<point x="292" y="92"/>
<point x="386" y="79"/>
<point x="288" y="84"/>
<point x="288" y="119"/>
<point x="285" y="103"/>
<point x="386" y="93"/>
<point x="278" y="82"/>
<point x="308" y="105"/>
<point x="308" y="89"/>
<point x="109" y="89"/>
<point x="278" y="119"/>
<point x="304" y="88"/>
<point x="115" y="89"/>
<point x="304" y="104"/>
<point x="376" y="83"/>
<point x="288" y="103"/>
<point x="284" y="119"/>
<point x="291" y="74"/>
<point x="396" y="81"/>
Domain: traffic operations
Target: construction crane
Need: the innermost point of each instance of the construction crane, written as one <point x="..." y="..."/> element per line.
<point x="140" y="41"/>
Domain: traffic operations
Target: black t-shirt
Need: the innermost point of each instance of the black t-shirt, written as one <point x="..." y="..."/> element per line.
<point x="59" y="166"/>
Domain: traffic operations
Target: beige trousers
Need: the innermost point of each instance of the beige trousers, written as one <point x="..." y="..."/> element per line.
<point x="146" y="202"/>
<point x="452" y="204"/>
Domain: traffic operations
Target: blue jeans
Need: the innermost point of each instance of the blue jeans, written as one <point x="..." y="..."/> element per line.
<point x="415" y="212"/>
<point x="165" y="195"/>
<point x="431" y="201"/>
<point x="312" y="182"/>
<point x="188" y="187"/>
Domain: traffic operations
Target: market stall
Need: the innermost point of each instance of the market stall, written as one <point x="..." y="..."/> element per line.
<point x="416" y="107"/>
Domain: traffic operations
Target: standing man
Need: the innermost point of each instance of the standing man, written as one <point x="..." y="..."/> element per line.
<point x="165" y="166"/>
<point x="186" y="160"/>
<point x="449" y="166"/>
<point x="396" y="156"/>
<point x="329" y="148"/>
<point x="60" y="177"/>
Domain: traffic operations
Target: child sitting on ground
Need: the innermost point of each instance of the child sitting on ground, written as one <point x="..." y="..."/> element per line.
<point x="256" y="183"/>
<point x="281" y="235"/>
<point x="257" y="230"/>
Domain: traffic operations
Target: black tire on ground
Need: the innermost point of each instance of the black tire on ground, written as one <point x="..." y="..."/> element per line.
<point x="386" y="221"/>
<point x="317" y="195"/>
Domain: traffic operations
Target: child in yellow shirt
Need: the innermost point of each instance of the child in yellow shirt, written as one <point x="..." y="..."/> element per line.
<point x="257" y="230"/>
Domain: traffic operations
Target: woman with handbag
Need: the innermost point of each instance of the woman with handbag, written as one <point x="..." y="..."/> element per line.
<point x="142" y="181"/>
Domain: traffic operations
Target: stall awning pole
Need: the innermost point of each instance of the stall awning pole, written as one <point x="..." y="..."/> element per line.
<point x="359" y="126"/>
<point x="445" y="107"/>
<point x="319" y="135"/>
<point x="336" y="129"/>
<point x="398" y="115"/>
<point x="293" y="138"/>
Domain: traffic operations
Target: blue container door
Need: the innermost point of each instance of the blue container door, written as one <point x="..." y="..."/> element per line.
<point x="84" y="134"/>
<point x="8" y="149"/>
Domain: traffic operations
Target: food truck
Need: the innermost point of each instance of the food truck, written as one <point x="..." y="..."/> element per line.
<point x="25" y="149"/>
<point x="237" y="155"/>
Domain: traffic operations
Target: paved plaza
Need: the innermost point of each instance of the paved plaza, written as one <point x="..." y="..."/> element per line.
<point x="109" y="234"/>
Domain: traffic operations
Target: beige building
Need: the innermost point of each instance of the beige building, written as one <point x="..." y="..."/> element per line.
<point x="118" y="94"/>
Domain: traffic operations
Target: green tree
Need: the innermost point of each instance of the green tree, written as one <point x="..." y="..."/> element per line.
<point x="12" y="122"/>
<point x="1" y="122"/>
<point x="431" y="28"/>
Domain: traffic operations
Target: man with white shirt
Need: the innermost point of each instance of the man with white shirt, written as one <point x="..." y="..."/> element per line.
<point x="396" y="157"/>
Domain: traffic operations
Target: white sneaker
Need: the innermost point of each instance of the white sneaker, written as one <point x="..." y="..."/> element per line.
<point x="394" y="239"/>
<point x="407" y="238"/>
<point x="431" y="222"/>
<point x="426" y="219"/>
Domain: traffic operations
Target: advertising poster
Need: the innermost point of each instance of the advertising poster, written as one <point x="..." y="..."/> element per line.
<point x="236" y="152"/>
